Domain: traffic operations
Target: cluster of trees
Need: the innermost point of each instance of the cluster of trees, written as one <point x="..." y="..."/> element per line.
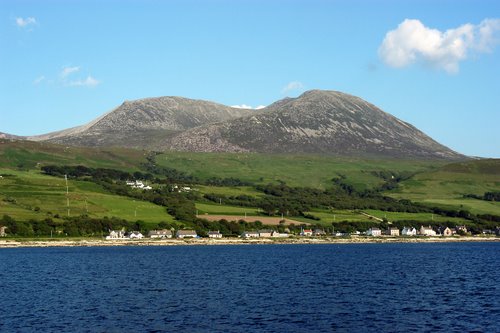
<point x="282" y="199"/>
<point x="102" y="174"/>
<point x="75" y="226"/>
<point x="487" y="196"/>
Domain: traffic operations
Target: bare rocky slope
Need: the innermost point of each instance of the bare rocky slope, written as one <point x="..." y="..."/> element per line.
<point x="139" y="123"/>
<point x="325" y="122"/>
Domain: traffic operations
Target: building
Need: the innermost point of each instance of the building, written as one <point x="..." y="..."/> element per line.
<point x="138" y="184"/>
<point x="427" y="231"/>
<point x="163" y="233"/>
<point x="250" y="234"/>
<point x="214" y="234"/>
<point x="116" y="234"/>
<point x="461" y="229"/>
<point x="392" y="232"/>
<point x="445" y="232"/>
<point x="319" y="232"/>
<point x="280" y="235"/>
<point x="186" y="234"/>
<point x="409" y="231"/>
<point x="2" y="231"/>
<point x="306" y="232"/>
<point x="135" y="235"/>
<point x="375" y="232"/>
<point x="266" y="233"/>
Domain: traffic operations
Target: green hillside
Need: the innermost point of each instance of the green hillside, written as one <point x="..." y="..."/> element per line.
<point x="26" y="193"/>
<point x="295" y="170"/>
<point x="29" y="155"/>
<point x="30" y="195"/>
<point x="448" y="185"/>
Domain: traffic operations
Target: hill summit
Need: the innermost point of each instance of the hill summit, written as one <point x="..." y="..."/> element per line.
<point x="318" y="121"/>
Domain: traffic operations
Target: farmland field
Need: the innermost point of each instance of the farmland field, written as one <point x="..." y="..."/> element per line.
<point x="448" y="185"/>
<point x="26" y="195"/>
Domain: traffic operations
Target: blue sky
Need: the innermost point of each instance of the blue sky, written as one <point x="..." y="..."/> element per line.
<point x="434" y="64"/>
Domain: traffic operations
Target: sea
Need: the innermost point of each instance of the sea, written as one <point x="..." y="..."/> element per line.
<point x="438" y="287"/>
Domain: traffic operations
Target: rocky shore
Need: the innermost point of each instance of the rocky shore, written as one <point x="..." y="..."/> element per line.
<point x="91" y="242"/>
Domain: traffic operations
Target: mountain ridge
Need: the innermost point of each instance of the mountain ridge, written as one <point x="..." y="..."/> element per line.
<point x="318" y="121"/>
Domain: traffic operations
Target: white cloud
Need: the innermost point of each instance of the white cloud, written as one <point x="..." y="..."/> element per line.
<point x="291" y="86"/>
<point x="39" y="80"/>
<point x="244" y="106"/>
<point x="25" y="22"/>
<point x="68" y="70"/>
<point x="413" y="42"/>
<point x="88" y="82"/>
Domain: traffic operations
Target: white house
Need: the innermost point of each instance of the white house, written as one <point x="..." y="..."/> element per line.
<point x="186" y="234"/>
<point x="280" y="235"/>
<point x="2" y="231"/>
<point x="392" y="231"/>
<point x="427" y="231"/>
<point x="250" y="234"/>
<point x="163" y="233"/>
<point x="265" y="233"/>
<point x="135" y="235"/>
<point x="409" y="231"/>
<point x="375" y="232"/>
<point x="138" y="184"/>
<point x="214" y="234"/>
<point x="116" y="234"/>
<point x="306" y="232"/>
<point x="445" y="232"/>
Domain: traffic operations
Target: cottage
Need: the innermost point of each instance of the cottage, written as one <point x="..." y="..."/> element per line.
<point x="392" y="232"/>
<point x="186" y="234"/>
<point x="250" y="234"/>
<point x="214" y="234"/>
<point x="427" y="231"/>
<point x="116" y="234"/>
<point x="2" y="231"/>
<point x="163" y="233"/>
<point x="319" y="232"/>
<point x="409" y="231"/>
<point x="280" y="235"/>
<point x="135" y="235"/>
<point x="265" y="233"/>
<point x="461" y="229"/>
<point x="445" y="232"/>
<point x="375" y="232"/>
<point x="306" y="232"/>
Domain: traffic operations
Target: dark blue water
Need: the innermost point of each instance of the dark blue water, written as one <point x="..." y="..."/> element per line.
<point x="268" y="288"/>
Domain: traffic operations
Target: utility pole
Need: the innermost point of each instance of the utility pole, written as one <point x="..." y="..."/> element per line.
<point x="67" y="192"/>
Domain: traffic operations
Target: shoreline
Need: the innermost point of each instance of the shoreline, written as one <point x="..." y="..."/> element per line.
<point x="6" y="243"/>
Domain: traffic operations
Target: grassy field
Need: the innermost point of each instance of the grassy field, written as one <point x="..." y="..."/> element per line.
<point x="229" y="191"/>
<point x="214" y="209"/>
<point x="449" y="184"/>
<point x="296" y="170"/>
<point x="29" y="194"/>
<point x="31" y="155"/>
<point x="421" y="217"/>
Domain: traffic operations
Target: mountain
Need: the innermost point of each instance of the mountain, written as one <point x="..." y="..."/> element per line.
<point x="9" y="136"/>
<point x="324" y="122"/>
<point x="137" y="123"/>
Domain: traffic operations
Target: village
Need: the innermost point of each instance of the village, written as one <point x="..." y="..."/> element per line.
<point x="269" y="233"/>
